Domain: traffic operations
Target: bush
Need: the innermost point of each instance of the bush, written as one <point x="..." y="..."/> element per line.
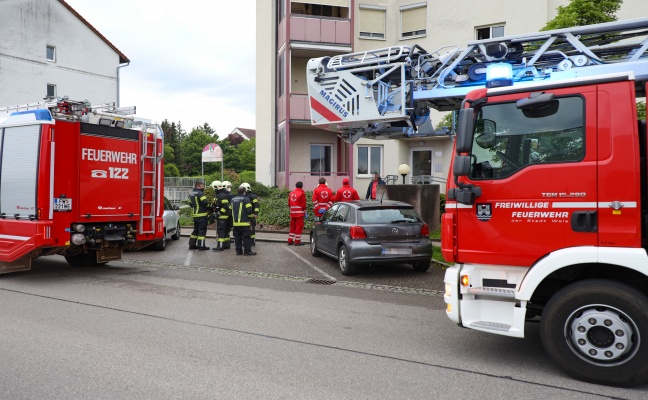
<point x="247" y="176"/>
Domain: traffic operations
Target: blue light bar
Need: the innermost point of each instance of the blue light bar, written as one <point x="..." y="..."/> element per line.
<point x="498" y="75"/>
<point x="31" y="115"/>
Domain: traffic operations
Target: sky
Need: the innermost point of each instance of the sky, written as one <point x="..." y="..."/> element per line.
<point x="192" y="61"/>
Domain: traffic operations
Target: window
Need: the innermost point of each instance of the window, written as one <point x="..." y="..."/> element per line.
<point x="488" y="32"/>
<point x="281" y="150"/>
<point x="369" y="160"/>
<point x="51" y="53"/>
<point x="321" y="8"/>
<point x="372" y="22"/>
<point x="51" y="90"/>
<point x="413" y="20"/>
<point x="320" y="159"/>
<point x="281" y="75"/>
<point x="508" y="139"/>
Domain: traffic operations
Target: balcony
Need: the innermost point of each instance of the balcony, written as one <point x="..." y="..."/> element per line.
<point x="320" y="30"/>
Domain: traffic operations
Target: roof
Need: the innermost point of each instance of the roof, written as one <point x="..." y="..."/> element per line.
<point x="248" y="133"/>
<point x="122" y="58"/>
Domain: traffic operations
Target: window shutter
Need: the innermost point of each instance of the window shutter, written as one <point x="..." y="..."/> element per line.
<point x="372" y="21"/>
<point x="413" y="20"/>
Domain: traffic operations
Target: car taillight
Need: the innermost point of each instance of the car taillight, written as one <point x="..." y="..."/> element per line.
<point x="357" y="232"/>
<point x="425" y="230"/>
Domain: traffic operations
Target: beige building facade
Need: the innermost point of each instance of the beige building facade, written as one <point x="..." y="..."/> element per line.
<point x="289" y="33"/>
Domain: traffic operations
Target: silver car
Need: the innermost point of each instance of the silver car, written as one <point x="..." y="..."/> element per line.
<point x="372" y="231"/>
<point x="171" y="219"/>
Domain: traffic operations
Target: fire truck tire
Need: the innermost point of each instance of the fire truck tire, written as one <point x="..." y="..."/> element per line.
<point x="176" y="235"/>
<point x="597" y="331"/>
<point x="160" y="245"/>
<point x="346" y="267"/>
<point x="88" y="259"/>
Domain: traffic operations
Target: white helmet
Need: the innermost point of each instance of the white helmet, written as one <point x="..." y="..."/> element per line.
<point x="227" y="185"/>
<point x="216" y="185"/>
<point x="246" y="186"/>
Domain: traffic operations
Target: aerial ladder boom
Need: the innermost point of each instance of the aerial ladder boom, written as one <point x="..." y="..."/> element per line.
<point x="388" y="92"/>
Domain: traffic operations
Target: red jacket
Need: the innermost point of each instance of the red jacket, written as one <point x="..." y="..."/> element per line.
<point x="297" y="203"/>
<point x="322" y="199"/>
<point x="346" y="193"/>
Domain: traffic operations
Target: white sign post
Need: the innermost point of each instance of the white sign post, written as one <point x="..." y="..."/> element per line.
<point x="212" y="153"/>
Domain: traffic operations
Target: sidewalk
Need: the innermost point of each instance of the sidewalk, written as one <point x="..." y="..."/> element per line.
<point x="263" y="236"/>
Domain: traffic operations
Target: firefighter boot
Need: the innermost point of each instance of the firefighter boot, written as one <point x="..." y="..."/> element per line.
<point x="192" y="244"/>
<point x="201" y="245"/>
<point x="219" y="246"/>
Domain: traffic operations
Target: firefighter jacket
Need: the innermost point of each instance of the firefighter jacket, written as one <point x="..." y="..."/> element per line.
<point x="346" y="193"/>
<point x="297" y="203"/>
<point x="223" y="206"/>
<point x="242" y="212"/>
<point x="254" y="199"/>
<point x="199" y="203"/>
<point x="322" y="199"/>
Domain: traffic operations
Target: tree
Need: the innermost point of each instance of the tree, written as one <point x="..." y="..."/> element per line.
<point x="191" y="150"/>
<point x="246" y="152"/>
<point x="641" y="110"/>
<point x="446" y="121"/>
<point x="584" y="12"/>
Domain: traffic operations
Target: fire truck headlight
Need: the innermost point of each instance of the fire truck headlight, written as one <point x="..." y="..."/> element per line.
<point x="448" y="289"/>
<point x="464" y="280"/>
<point x="79" y="227"/>
<point x="78" y="239"/>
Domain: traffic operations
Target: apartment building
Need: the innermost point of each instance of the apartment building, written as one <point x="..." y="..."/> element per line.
<point x="289" y="33"/>
<point x="50" y="50"/>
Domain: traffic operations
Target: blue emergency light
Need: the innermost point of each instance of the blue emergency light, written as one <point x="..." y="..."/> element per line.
<point x="30" y="115"/>
<point x="498" y="75"/>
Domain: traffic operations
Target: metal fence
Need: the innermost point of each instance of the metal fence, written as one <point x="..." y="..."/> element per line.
<point x="177" y="189"/>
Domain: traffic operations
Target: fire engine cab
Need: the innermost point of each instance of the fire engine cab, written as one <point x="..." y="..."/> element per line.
<point x="546" y="216"/>
<point x="77" y="180"/>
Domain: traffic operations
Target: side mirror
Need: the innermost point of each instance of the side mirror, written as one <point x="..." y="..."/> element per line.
<point x="538" y="105"/>
<point x="461" y="166"/>
<point x="465" y="127"/>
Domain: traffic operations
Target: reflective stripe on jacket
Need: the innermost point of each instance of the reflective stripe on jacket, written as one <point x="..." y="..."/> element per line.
<point x="199" y="203"/>
<point x="241" y="211"/>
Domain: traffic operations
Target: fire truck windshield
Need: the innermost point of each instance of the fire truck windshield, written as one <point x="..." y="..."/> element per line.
<point x="508" y="139"/>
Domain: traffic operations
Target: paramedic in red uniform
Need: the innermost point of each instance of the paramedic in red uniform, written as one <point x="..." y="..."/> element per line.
<point x="297" y="206"/>
<point x="322" y="198"/>
<point x="346" y="192"/>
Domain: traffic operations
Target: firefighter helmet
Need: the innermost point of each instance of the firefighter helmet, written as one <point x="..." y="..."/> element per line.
<point x="227" y="185"/>
<point x="246" y="186"/>
<point x="216" y="185"/>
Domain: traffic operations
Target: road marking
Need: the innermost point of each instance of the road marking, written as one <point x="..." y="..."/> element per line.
<point x="188" y="259"/>
<point x="310" y="264"/>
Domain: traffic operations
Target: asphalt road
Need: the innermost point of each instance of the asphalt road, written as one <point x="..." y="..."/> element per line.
<point x="204" y="325"/>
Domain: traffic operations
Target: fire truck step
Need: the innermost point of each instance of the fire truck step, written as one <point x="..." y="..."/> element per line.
<point x="493" y="291"/>
<point x="491" y="326"/>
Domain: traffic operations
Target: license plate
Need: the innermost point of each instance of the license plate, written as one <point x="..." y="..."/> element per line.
<point x="62" y="204"/>
<point x="389" y="251"/>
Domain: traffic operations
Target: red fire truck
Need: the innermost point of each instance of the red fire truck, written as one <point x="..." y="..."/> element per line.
<point x="547" y="202"/>
<point x="76" y="180"/>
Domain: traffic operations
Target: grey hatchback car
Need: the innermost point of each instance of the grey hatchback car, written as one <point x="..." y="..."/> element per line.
<point x="372" y="231"/>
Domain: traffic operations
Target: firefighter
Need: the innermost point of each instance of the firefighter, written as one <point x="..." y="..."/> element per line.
<point x="213" y="211"/>
<point x="297" y="206"/>
<point x="254" y="199"/>
<point x="346" y="192"/>
<point x="242" y="215"/>
<point x="222" y="208"/>
<point x="227" y="186"/>
<point x="199" y="206"/>
<point x="322" y="198"/>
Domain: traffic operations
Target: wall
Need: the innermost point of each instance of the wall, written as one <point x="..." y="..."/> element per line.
<point x="85" y="67"/>
<point x="424" y="199"/>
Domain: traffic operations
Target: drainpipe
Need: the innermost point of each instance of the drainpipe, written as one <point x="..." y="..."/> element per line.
<point x="118" y="68"/>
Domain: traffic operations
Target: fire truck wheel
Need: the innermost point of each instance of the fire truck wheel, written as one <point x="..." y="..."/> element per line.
<point x="88" y="259"/>
<point x="313" y="246"/>
<point x="597" y="331"/>
<point x="346" y="266"/>
<point x="160" y="245"/>
<point x="176" y="235"/>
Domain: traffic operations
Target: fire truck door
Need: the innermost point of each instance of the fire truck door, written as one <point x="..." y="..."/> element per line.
<point x="537" y="173"/>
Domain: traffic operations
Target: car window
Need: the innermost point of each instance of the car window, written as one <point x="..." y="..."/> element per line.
<point x="387" y="215"/>
<point x="328" y="216"/>
<point x="342" y="214"/>
<point x="167" y="204"/>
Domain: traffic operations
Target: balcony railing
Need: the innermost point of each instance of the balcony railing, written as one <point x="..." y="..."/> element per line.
<point x="320" y="30"/>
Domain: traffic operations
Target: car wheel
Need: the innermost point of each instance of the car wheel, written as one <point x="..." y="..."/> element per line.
<point x="176" y="235"/>
<point x="313" y="246"/>
<point x="597" y="331"/>
<point x="160" y="245"/>
<point x="421" y="266"/>
<point x="88" y="259"/>
<point x="346" y="266"/>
